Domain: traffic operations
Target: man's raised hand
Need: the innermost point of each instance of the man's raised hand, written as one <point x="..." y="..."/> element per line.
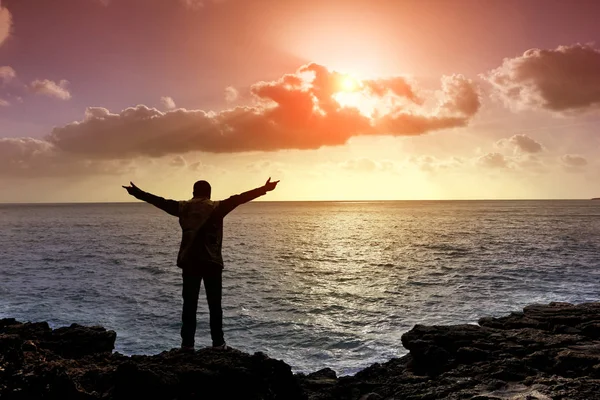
<point x="270" y="185"/>
<point x="132" y="189"/>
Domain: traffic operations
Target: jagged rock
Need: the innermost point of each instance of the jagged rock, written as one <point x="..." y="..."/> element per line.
<point x="77" y="362"/>
<point x="545" y="352"/>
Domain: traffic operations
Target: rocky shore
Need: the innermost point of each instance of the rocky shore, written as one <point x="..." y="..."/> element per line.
<point x="545" y="352"/>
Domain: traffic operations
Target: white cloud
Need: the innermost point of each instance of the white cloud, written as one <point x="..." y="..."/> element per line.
<point x="4" y="103"/>
<point x="168" y="102"/>
<point x="50" y="88"/>
<point x="231" y="94"/>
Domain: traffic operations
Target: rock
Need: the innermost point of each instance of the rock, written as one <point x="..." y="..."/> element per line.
<point x="544" y="352"/>
<point x="78" y="341"/>
<point x="77" y="362"/>
<point x="371" y="396"/>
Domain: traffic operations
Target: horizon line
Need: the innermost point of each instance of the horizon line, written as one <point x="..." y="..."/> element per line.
<point x="315" y="201"/>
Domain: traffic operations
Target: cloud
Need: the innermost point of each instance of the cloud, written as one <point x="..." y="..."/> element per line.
<point x="266" y="167"/>
<point x="231" y="94"/>
<point x="29" y="157"/>
<point x="364" y="164"/>
<point x="573" y="161"/>
<point x="4" y="103"/>
<point x="191" y="4"/>
<point x="492" y="160"/>
<point x="5" y="24"/>
<point x="297" y="111"/>
<point x="521" y="143"/>
<point x="7" y="74"/>
<point x="398" y="86"/>
<point x="50" y="88"/>
<point x="565" y="80"/>
<point x="429" y="163"/>
<point x="178" y="162"/>
<point x="198" y="4"/>
<point x="168" y="102"/>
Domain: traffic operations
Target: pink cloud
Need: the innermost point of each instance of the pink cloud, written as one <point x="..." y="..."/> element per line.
<point x="5" y="24"/>
<point x="231" y="94"/>
<point x="50" y="88"/>
<point x="297" y="111"/>
<point x="7" y="74"/>
<point x="168" y="102"/>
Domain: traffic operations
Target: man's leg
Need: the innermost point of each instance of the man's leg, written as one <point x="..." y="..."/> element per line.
<point x="191" y="289"/>
<point x="212" y="284"/>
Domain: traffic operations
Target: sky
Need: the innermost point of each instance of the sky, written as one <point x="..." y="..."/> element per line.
<point x="339" y="99"/>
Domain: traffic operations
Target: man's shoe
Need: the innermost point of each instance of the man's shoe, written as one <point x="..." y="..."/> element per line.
<point x="221" y="347"/>
<point x="187" y="349"/>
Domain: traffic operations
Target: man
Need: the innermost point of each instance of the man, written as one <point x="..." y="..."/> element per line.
<point x="201" y="221"/>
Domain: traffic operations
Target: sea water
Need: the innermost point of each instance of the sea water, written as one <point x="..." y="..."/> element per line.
<point x="317" y="284"/>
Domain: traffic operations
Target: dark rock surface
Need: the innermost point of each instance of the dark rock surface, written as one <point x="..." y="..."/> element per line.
<point x="545" y="352"/>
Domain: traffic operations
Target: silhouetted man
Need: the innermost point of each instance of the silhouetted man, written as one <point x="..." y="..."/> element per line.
<point x="201" y="221"/>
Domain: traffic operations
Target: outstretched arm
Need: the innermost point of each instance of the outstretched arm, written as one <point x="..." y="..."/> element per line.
<point x="228" y="205"/>
<point x="169" y="206"/>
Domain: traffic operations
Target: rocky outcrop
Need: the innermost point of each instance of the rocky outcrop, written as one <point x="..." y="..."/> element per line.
<point x="545" y="352"/>
<point x="37" y="362"/>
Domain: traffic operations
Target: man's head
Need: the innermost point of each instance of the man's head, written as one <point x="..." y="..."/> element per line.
<point x="202" y="189"/>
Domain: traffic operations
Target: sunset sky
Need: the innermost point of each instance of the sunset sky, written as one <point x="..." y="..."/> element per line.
<point x="340" y="99"/>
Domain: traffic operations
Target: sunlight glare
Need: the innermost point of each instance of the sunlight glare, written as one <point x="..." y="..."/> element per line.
<point x="349" y="84"/>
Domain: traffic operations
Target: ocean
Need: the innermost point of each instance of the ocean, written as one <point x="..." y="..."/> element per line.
<point x="316" y="284"/>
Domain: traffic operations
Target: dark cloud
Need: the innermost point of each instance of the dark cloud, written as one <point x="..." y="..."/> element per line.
<point x="565" y="80"/>
<point x="522" y="143"/>
<point x="493" y="160"/>
<point x="573" y="161"/>
<point x="525" y="144"/>
<point x="28" y="157"/>
<point x="298" y="111"/>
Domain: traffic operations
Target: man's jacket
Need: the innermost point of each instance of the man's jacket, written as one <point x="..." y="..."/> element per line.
<point x="201" y="222"/>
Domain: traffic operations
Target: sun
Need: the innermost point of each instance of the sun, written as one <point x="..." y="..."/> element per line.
<point x="349" y="84"/>
<point x="350" y="94"/>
